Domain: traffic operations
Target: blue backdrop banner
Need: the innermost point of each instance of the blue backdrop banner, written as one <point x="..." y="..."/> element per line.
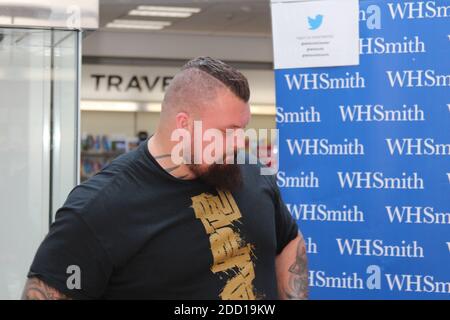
<point x="364" y="157"/>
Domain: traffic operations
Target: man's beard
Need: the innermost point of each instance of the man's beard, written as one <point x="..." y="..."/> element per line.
<point x="221" y="176"/>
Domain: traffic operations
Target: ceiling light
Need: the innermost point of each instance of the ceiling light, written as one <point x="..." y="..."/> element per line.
<point x="138" y="24"/>
<point x="167" y="14"/>
<point x="129" y="26"/>
<point x="144" y="22"/>
<point x="169" y="9"/>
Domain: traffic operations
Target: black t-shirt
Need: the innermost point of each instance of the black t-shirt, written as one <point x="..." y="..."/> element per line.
<point x="133" y="231"/>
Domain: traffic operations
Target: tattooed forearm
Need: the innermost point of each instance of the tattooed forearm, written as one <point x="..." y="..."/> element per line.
<point x="297" y="287"/>
<point x="36" y="289"/>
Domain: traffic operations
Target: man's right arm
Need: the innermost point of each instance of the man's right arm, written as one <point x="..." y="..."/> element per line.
<point x="36" y="289"/>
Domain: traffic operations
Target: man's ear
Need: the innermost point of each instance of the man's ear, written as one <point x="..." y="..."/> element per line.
<point x="182" y="120"/>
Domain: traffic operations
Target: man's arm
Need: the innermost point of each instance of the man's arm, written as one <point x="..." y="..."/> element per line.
<point x="36" y="289"/>
<point x="292" y="270"/>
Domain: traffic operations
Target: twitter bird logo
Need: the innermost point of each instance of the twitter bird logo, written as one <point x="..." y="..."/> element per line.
<point x="316" y="22"/>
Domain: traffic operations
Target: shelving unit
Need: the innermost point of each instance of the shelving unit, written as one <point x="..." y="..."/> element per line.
<point x="100" y="150"/>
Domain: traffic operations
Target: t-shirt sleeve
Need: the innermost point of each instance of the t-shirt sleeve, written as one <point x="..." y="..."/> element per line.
<point x="71" y="250"/>
<point x="285" y="224"/>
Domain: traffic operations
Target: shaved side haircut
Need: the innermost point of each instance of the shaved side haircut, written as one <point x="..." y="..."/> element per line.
<point x="197" y="84"/>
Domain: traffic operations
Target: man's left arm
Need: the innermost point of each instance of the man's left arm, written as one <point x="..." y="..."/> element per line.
<point x="292" y="270"/>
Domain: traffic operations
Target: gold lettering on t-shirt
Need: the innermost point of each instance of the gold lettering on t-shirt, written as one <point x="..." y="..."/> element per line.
<point x="215" y="211"/>
<point x="218" y="215"/>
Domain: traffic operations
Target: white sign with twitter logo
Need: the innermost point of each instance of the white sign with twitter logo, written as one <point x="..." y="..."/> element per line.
<point x="315" y="33"/>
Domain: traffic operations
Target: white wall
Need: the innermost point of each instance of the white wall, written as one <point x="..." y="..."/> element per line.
<point x="128" y="124"/>
<point x="177" y="46"/>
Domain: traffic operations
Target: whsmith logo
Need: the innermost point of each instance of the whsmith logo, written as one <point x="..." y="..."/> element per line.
<point x="323" y="81"/>
<point x="380" y="46"/>
<point x="418" y="10"/>
<point x="321" y="212"/>
<point x="377" y="180"/>
<point x="417" y="78"/>
<point x="375" y="279"/>
<point x="377" y="248"/>
<point x="315" y="22"/>
<point x="417" y="147"/>
<point x="369" y="113"/>
<point x="403" y="10"/>
<point x="417" y="215"/>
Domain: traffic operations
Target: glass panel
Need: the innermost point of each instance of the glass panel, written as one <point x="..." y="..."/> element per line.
<point x="37" y="121"/>
<point x="24" y="142"/>
<point x="65" y="116"/>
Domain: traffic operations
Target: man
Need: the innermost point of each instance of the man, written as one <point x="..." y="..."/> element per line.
<point x="148" y="227"/>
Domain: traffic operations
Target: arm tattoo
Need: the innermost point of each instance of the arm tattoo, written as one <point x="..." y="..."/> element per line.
<point x="36" y="289"/>
<point x="297" y="287"/>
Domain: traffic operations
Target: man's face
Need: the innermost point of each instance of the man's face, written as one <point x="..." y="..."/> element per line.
<point x="227" y="111"/>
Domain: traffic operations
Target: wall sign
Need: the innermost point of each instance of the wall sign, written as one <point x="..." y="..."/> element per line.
<point x="315" y="33"/>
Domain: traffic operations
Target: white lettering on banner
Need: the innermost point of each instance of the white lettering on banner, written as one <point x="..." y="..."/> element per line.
<point x="417" y="78"/>
<point x="374" y="279"/>
<point x="416" y="283"/>
<point x="302" y="116"/>
<point x="418" y="10"/>
<point x="321" y="280"/>
<point x="384" y="145"/>
<point x="321" y="213"/>
<point x="323" y="81"/>
<point x="417" y="215"/>
<point x="377" y="248"/>
<point x="417" y="147"/>
<point x="378" y="113"/>
<point x="380" y="46"/>
<point x="372" y="17"/>
<point x="377" y="180"/>
<point x="395" y="282"/>
<point x="302" y="181"/>
<point x="311" y="246"/>
<point x="322" y="147"/>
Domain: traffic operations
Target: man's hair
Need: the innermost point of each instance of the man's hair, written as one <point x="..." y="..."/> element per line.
<point x="197" y="84"/>
<point x="226" y="74"/>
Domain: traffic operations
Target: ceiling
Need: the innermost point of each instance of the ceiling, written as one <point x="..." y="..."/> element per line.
<point x="217" y="17"/>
